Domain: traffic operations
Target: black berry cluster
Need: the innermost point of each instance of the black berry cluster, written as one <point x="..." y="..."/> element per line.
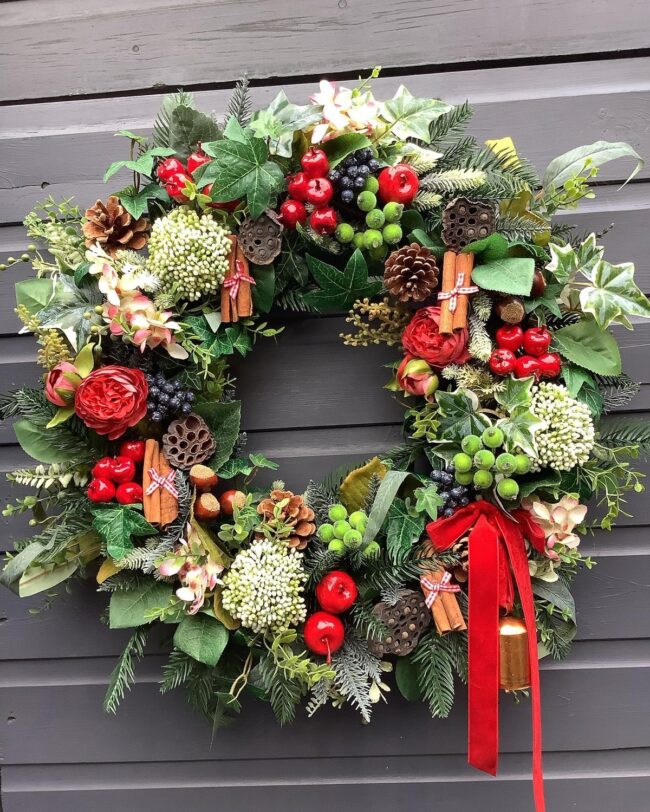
<point x="167" y="399"/>
<point x="453" y="494"/>
<point x="350" y="176"/>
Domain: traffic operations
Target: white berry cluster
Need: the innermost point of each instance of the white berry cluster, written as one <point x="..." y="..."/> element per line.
<point x="567" y="436"/>
<point x="264" y="587"/>
<point x="188" y="254"/>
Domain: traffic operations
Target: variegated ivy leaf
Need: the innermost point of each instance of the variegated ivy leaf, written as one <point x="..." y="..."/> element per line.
<point x="459" y="414"/>
<point x="280" y="120"/>
<point x="566" y="262"/>
<point x="517" y="393"/>
<point x="409" y="116"/>
<point x="519" y="430"/>
<point x="614" y="295"/>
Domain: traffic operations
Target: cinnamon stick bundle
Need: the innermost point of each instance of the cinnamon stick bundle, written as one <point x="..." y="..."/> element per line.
<point x="464" y="266"/>
<point x="241" y="305"/>
<point x="150" y="502"/>
<point x="168" y="502"/>
<point x="446" y="326"/>
<point x="445" y="610"/>
<point x="228" y="305"/>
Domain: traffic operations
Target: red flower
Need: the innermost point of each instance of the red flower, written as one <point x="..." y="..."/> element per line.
<point x="422" y="340"/>
<point x="416" y="377"/>
<point x="112" y="399"/>
<point x="61" y="383"/>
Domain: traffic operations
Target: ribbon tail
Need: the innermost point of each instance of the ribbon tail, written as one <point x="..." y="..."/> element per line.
<point x="483" y="647"/>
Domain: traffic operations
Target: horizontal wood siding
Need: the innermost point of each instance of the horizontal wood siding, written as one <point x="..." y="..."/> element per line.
<point x="304" y="405"/>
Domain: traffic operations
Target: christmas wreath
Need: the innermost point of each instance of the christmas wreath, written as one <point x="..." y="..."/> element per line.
<point x="452" y="554"/>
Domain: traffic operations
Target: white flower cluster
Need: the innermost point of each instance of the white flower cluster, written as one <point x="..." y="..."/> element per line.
<point x="264" y="587"/>
<point x="188" y="254"/>
<point x="567" y="436"/>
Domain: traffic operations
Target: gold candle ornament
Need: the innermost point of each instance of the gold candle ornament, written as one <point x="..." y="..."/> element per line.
<point x="514" y="666"/>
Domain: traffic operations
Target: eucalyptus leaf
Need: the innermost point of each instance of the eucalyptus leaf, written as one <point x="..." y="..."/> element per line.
<point x="384" y="497"/>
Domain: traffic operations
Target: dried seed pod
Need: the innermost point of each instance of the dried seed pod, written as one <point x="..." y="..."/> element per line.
<point x="261" y="239"/>
<point x="510" y="309"/>
<point x="464" y="221"/>
<point x="405" y="622"/>
<point x="207" y="507"/>
<point x="188" y="441"/>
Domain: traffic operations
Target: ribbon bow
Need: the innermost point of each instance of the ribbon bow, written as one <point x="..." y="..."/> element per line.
<point x="233" y="282"/>
<point x="457" y="290"/>
<point x="434" y="587"/>
<point x="164" y="482"/>
<point x="497" y="561"/>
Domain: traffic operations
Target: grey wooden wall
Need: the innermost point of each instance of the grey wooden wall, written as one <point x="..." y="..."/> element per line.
<point x="551" y="74"/>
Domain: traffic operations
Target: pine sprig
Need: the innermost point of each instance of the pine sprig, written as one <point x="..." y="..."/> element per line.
<point x="355" y="669"/>
<point x="318" y="499"/>
<point x="450" y="125"/>
<point x="283" y="692"/>
<point x="617" y="391"/>
<point x="626" y="431"/>
<point x="123" y="675"/>
<point x="516" y="228"/>
<point x="177" y="670"/>
<point x="453" y="181"/>
<point x="435" y="673"/>
<point x="366" y="623"/>
<point x="239" y="105"/>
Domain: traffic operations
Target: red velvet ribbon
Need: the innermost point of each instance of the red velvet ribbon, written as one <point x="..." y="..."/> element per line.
<point x="497" y="562"/>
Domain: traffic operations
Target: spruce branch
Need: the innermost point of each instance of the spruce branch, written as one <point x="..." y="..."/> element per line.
<point x="239" y="105"/>
<point x="356" y="668"/>
<point x="617" y="391"/>
<point x="123" y="675"/>
<point x="450" y="125"/>
<point x="177" y="670"/>
<point x="435" y="674"/>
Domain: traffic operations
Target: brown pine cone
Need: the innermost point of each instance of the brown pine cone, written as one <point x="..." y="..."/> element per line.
<point x="295" y="514"/>
<point x="465" y="221"/>
<point x="411" y="273"/>
<point x="112" y="227"/>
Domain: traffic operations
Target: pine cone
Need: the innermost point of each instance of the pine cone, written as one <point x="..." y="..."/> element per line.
<point x="261" y="239"/>
<point x="295" y="514"/>
<point x="112" y="227"/>
<point x="464" y="221"/>
<point x="411" y="273"/>
<point x="188" y="441"/>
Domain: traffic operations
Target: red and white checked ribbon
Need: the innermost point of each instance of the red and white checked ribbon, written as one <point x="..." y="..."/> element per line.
<point x="233" y="282"/>
<point x="164" y="482"/>
<point x="458" y="289"/>
<point x="434" y="587"/>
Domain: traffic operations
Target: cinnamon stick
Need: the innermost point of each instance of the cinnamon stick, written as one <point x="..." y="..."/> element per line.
<point x="445" y="609"/>
<point x="150" y="502"/>
<point x="452" y="610"/>
<point x="168" y="502"/>
<point x="437" y="609"/>
<point x="229" y="305"/>
<point x="446" y="326"/>
<point x="464" y="265"/>
<point x="244" y="298"/>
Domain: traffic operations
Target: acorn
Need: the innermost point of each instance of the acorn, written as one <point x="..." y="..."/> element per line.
<point x="207" y="507"/>
<point x="203" y="478"/>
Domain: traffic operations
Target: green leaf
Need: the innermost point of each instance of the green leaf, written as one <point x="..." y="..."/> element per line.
<point x="43" y="578"/>
<point x="188" y="127"/>
<point x="519" y="429"/>
<point x="513" y="275"/>
<point x="223" y="420"/>
<point x="41" y="445"/>
<point x="280" y="120"/>
<point x="260" y="461"/>
<point x="428" y="500"/>
<point x="235" y="466"/>
<point x="571" y="164"/>
<point x="34" y="294"/>
<point x="459" y="415"/>
<point x="421" y="236"/>
<point x="291" y="265"/>
<point x="516" y="393"/>
<point x="614" y="295"/>
<point x="566" y="261"/>
<point x="548" y="300"/>
<point x="575" y="378"/>
<point x="588" y="346"/>
<point x="343" y="145"/>
<point x="264" y="288"/>
<point x="593" y="398"/>
<point x="546" y="480"/>
<point x="241" y="169"/>
<point x="402" y="531"/>
<point x="556" y="593"/>
<point x="412" y="220"/>
<point x="340" y="289"/>
<point x="409" y="116"/>
<point x="406" y="677"/>
<point x="143" y="164"/>
<point x="81" y="272"/>
<point x="202" y="637"/>
<point x="490" y="248"/>
<point x="137" y="203"/>
<point x="384" y="497"/>
<point x="116" y="525"/>
<point x="130" y="608"/>
<point x="65" y="310"/>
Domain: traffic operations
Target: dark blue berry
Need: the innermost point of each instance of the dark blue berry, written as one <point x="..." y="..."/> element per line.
<point x="457" y="493"/>
<point x="447" y="512"/>
<point x="153" y="392"/>
<point x="163" y="398"/>
<point x="189" y="397"/>
<point x="353" y="171"/>
<point x="351" y="160"/>
<point x="436" y="476"/>
<point x="446" y="478"/>
<point x="346" y="182"/>
<point x="373" y="164"/>
<point x="169" y="388"/>
<point x="364" y="170"/>
<point x="359" y="182"/>
<point x="156" y="417"/>
<point x="335" y="176"/>
<point x="186" y="408"/>
<point x="347" y="196"/>
<point x="464" y="502"/>
<point x="174" y="404"/>
<point x="444" y="495"/>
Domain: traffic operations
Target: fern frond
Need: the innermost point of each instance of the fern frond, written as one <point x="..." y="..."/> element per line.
<point x="239" y="105"/>
<point x="123" y="675"/>
<point x="293" y="300"/>
<point x="162" y="124"/>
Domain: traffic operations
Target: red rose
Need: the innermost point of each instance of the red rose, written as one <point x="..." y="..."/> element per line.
<point x="416" y="377"/>
<point x="112" y="399"/>
<point x="422" y="340"/>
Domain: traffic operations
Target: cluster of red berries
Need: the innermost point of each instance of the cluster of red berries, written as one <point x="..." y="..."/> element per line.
<point x="113" y="477"/>
<point x="324" y="631"/>
<point x="310" y="186"/>
<point x="175" y="176"/>
<point x="533" y="344"/>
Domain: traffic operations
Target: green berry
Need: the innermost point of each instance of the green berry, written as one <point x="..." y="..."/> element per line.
<point x="483" y="479"/>
<point x="359" y="241"/>
<point x="372" y="238"/>
<point x="393" y="212"/>
<point x="352" y="538"/>
<point x="341" y="528"/>
<point x="367" y="201"/>
<point x="372" y="549"/>
<point x="462" y="462"/>
<point x="492" y="437"/>
<point x="378" y="253"/>
<point x="344" y="233"/>
<point x="337" y="513"/>
<point x="358" y="519"/>
<point x="484" y="459"/>
<point x="506" y="463"/>
<point x="392" y="233"/>
<point x="336" y="546"/>
<point x="371" y="184"/>
<point x="375" y="218"/>
<point x="507" y="489"/>
<point x="463" y="478"/>
<point x="523" y="464"/>
<point x="471" y="444"/>
<point x="326" y="532"/>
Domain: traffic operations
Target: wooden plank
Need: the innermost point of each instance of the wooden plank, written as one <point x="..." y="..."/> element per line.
<point x="580" y="709"/>
<point x="131" y="45"/>
<point x="580" y="782"/>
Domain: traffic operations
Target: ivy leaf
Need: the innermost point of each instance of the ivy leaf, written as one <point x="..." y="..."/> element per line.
<point x="34" y="294"/>
<point x="260" y="461"/>
<point x="548" y="299"/>
<point x="614" y="295"/>
<point x="403" y="531"/>
<point x="188" y="127"/>
<point x="292" y="265"/>
<point x="143" y="164"/>
<point x="570" y="164"/>
<point x="136" y="203"/>
<point x="459" y="415"/>
<point x="235" y="466"/>
<point x="340" y="289"/>
<point x="547" y="480"/>
<point x="516" y="394"/>
<point x="409" y="116"/>
<point x="428" y="500"/>
<point x="223" y="420"/>
<point x="566" y="261"/>
<point x="66" y="308"/>
<point x="343" y="145"/>
<point x="241" y="169"/>
<point x="117" y="524"/>
<point x="280" y="120"/>
<point x="519" y="430"/>
<point x="202" y="637"/>
<point x="586" y="345"/>
<point x="511" y="275"/>
<point x="129" y="608"/>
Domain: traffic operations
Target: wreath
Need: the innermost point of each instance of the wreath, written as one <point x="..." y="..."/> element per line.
<point x="450" y="555"/>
